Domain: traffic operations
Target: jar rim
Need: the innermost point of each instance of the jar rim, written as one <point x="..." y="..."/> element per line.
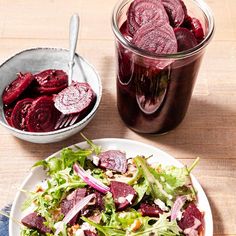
<point x="179" y="55"/>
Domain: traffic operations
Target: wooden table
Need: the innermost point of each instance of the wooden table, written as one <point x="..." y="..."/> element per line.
<point x="208" y="131"/>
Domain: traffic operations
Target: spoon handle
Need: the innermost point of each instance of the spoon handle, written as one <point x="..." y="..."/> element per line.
<point x="74" y="29"/>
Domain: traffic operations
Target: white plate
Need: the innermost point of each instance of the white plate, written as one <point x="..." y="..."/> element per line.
<point x="132" y="148"/>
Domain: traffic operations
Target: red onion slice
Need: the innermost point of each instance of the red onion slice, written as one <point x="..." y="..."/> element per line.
<point x="178" y="204"/>
<point x="90" y="180"/>
<point x="78" y="207"/>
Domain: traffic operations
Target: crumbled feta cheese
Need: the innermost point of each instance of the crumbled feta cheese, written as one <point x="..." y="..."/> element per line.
<point x="79" y="232"/>
<point x="109" y="173"/>
<point x="95" y="160"/>
<point x="179" y="215"/>
<point x="89" y="171"/>
<point x="163" y="179"/>
<point x="129" y="198"/>
<point x="161" y="205"/>
<point x="87" y="226"/>
<point x="57" y="224"/>
<point x="121" y="200"/>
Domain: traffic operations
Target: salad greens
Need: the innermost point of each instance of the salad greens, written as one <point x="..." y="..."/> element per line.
<point x="162" y="183"/>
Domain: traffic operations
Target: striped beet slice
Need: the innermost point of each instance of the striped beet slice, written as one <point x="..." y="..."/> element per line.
<point x="176" y="11"/>
<point x="75" y="99"/>
<point x="157" y="37"/>
<point x="19" y="113"/>
<point x="144" y="11"/>
<point x="185" y="39"/>
<point x="51" y="81"/>
<point x="42" y="115"/>
<point x="16" y="88"/>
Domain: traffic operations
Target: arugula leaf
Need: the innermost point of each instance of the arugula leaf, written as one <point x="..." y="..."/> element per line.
<point x="142" y="188"/>
<point x="106" y="230"/>
<point x="161" y="227"/>
<point x="156" y="189"/>
<point x="96" y="149"/>
<point x="67" y="158"/>
<point x="109" y="208"/>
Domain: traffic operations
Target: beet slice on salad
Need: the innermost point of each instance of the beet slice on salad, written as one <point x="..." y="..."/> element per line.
<point x="75" y="98"/>
<point x="89" y="233"/>
<point x="16" y="88"/>
<point x="157" y="37"/>
<point x="42" y="115"/>
<point x="189" y="218"/>
<point x="144" y="11"/>
<point x="35" y="221"/>
<point x="69" y="202"/>
<point x="185" y="39"/>
<point x="176" y="11"/>
<point x="7" y="113"/>
<point x="113" y="160"/>
<point x="123" y="194"/>
<point x="20" y="112"/>
<point x="150" y="210"/>
<point x="51" y="81"/>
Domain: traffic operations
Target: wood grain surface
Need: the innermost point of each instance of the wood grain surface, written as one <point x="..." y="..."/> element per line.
<point x="208" y="130"/>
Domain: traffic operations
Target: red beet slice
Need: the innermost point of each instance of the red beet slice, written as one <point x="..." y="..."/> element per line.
<point x="195" y="26"/>
<point x="35" y="221"/>
<point x="150" y="210"/>
<point x="70" y="201"/>
<point x="156" y="37"/>
<point x="123" y="194"/>
<point x="75" y="98"/>
<point x="16" y="88"/>
<point x="42" y="115"/>
<point x="114" y="160"/>
<point x="144" y="11"/>
<point x="176" y="11"/>
<point x="189" y="215"/>
<point x="89" y="233"/>
<point x="197" y="29"/>
<point x="185" y="39"/>
<point x="51" y="81"/>
<point x="19" y="113"/>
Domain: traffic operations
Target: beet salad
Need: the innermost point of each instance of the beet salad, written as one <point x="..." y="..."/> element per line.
<point x="107" y="193"/>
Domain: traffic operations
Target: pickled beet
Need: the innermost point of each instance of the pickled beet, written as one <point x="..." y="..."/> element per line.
<point x="195" y="26"/>
<point x="75" y="98"/>
<point x="176" y="11"/>
<point x="189" y="215"/>
<point x="157" y="37"/>
<point x="185" y="39"/>
<point x="113" y="160"/>
<point x="42" y="115"/>
<point x="123" y="194"/>
<point x="144" y="11"/>
<point x="19" y="113"/>
<point x="35" y="221"/>
<point x="16" y="88"/>
<point x="70" y="201"/>
<point x="51" y="81"/>
<point x="150" y="210"/>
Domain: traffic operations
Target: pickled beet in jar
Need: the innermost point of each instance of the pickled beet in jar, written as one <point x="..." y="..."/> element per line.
<point x="158" y="54"/>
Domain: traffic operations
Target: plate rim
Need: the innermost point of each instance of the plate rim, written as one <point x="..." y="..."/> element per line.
<point x="176" y="162"/>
